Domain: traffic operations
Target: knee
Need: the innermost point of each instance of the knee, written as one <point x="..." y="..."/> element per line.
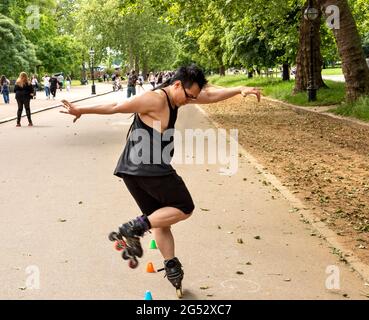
<point x="186" y="215"/>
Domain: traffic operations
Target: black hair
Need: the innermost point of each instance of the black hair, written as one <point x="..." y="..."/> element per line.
<point x="188" y="75"/>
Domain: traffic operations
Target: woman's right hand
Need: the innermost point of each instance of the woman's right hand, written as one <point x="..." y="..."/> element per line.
<point x="71" y="109"/>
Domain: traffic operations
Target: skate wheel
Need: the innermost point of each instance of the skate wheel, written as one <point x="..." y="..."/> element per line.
<point x="119" y="245"/>
<point x="179" y="293"/>
<point x="125" y="255"/>
<point x="113" y="236"/>
<point x="133" y="263"/>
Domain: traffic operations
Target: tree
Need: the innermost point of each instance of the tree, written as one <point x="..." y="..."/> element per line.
<point x="16" y="52"/>
<point x="349" y="44"/>
<point x="135" y="33"/>
<point x="304" y="51"/>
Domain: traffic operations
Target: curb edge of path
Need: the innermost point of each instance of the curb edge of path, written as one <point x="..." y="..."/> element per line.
<point x="54" y="106"/>
<point x="320" y="227"/>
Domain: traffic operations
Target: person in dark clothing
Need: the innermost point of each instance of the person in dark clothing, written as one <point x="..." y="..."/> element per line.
<point x="158" y="190"/>
<point x="23" y="94"/>
<point x="131" y="86"/>
<point x="53" y="86"/>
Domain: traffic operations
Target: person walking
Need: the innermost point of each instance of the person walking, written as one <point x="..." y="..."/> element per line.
<point x="131" y="85"/>
<point x="68" y="83"/>
<point x="152" y="79"/>
<point x="23" y="94"/>
<point x="158" y="190"/>
<point x="53" y="86"/>
<point x="4" y="84"/>
<point x="46" y="80"/>
<point x="34" y="83"/>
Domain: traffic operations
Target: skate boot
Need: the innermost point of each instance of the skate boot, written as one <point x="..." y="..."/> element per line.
<point x="174" y="273"/>
<point x="127" y="239"/>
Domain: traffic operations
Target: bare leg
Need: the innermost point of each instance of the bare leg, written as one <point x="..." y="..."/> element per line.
<point x="160" y="221"/>
<point x="165" y="241"/>
<point x="165" y="217"/>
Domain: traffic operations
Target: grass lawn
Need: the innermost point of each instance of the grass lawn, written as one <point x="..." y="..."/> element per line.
<point x="359" y="110"/>
<point x="76" y="83"/>
<point x="282" y="90"/>
<point x="332" y="72"/>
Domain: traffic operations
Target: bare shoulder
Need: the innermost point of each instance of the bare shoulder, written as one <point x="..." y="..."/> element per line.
<point x="154" y="99"/>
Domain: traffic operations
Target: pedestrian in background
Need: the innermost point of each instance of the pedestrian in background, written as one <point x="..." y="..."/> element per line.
<point x="46" y="80"/>
<point x="131" y="86"/>
<point x="53" y="86"/>
<point x="69" y="83"/>
<point x="4" y="83"/>
<point x="34" y="83"/>
<point x="23" y="94"/>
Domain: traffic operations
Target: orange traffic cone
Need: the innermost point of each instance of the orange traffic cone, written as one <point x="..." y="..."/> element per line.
<point x="150" y="268"/>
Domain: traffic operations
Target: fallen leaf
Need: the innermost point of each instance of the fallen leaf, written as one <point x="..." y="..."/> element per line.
<point x="204" y="209"/>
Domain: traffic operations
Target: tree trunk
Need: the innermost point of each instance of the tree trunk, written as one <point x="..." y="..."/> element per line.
<point x="137" y="65"/>
<point x="354" y="66"/>
<point x="303" y="55"/>
<point x="145" y="70"/>
<point x="250" y="73"/>
<point x="286" y="72"/>
<point x="222" y="70"/>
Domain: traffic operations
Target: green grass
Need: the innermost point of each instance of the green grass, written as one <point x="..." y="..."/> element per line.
<point x="332" y="72"/>
<point x="76" y="83"/>
<point x="359" y="109"/>
<point x="283" y="90"/>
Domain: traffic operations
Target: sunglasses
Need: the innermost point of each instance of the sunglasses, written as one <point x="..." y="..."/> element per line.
<point x="188" y="96"/>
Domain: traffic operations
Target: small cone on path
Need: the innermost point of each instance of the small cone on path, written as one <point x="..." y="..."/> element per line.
<point x="150" y="268"/>
<point x="153" y="244"/>
<point x="148" y="295"/>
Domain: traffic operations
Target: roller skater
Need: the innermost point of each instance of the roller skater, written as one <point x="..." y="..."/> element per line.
<point x="158" y="190"/>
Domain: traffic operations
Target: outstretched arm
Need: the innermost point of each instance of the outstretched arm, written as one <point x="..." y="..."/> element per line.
<point x="139" y="104"/>
<point x="215" y="95"/>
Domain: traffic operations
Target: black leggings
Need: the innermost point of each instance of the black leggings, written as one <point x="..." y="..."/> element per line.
<point x="53" y="91"/>
<point x="26" y="104"/>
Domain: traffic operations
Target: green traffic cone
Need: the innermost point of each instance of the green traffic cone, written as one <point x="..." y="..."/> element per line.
<point x="153" y="244"/>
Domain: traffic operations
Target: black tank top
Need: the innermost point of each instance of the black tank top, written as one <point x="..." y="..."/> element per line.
<point x="148" y="152"/>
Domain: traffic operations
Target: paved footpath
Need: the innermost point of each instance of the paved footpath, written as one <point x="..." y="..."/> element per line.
<point x="59" y="200"/>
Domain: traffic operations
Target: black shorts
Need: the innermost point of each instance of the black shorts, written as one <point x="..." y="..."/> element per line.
<point x="153" y="193"/>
